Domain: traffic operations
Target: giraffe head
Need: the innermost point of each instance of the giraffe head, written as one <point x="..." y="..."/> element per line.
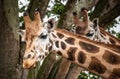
<point x="32" y="33"/>
<point x="86" y="27"/>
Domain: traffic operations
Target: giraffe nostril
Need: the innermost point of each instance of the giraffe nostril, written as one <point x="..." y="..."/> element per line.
<point x="43" y="57"/>
<point x="29" y="55"/>
<point x="25" y="65"/>
<point x="32" y="51"/>
<point x="46" y="53"/>
<point x="40" y="56"/>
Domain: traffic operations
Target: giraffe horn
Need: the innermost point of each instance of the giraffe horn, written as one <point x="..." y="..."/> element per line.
<point x="37" y="17"/>
<point x="27" y="19"/>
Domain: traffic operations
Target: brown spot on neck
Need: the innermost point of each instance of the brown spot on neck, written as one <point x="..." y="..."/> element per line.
<point x="71" y="53"/>
<point x="112" y="41"/>
<point x="50" y="48"/>
<point x="63" y="45"/>
<point x="112" y="76"/>
<point x="81" y="57"/>
<point x="115" y="74"/>
<point x="51" y="41"/>
<point x="70" y="40"/>
<point x="57" y="44"/>
<point x="116" y="71"/>
<point x="60" y="35"/>
<point x="111" y="58"/>
<point x="102" y="31"/>
<point x="54" y="35"/>
<point x="59" y="52"/>
<point x="97" y="66"/>
<point x="89" y="47"/>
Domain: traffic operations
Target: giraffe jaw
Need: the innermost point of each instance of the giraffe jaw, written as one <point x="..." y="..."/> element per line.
<point x="30" y="63"/>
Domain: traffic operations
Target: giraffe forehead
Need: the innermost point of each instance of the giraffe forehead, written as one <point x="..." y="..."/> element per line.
<point x="31" y="32"/>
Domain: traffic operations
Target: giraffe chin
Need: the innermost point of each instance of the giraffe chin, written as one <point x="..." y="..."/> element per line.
<point x="29" y="63"/>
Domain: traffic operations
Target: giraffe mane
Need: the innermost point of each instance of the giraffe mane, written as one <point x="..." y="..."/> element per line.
<point x="115" y="47"/>
<point x="102" y="30"/>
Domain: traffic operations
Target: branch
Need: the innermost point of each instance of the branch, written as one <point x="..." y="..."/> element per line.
<point x="107" y="11"/>
<point x="41" y="4"/>
<point x="67" y="19"/>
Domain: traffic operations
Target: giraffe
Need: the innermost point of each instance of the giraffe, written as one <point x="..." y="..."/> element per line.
<point x="99" y="58"/>
<point x="91" y="29"/>
<point x="81" y="27"/>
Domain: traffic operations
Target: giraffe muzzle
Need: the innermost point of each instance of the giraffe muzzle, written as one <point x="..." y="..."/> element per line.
<point x="29" y="63"/>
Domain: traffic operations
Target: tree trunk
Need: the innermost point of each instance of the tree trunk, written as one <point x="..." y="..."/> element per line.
<point x="46" y="67"/>
<point x="63" y="69"/>
<point x="67" y="19"/>
<point x="74" y="71"/>
<point x="9" y="44"/>
<point x="106" y="11"/>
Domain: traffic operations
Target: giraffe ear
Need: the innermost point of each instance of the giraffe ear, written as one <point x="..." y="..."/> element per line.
<point x="22" y="34"/>
<point x="95" y="22"/>
<point x="50" y="24"/>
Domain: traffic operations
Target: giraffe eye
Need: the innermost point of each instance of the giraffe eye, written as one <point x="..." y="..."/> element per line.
<point x="42" y="36"/>
<point x="89" y="34"/>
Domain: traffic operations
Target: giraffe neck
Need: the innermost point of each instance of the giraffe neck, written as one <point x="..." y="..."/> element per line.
<point x="110" y="38"/>
<point x="95" y="33"/>
<point x="93" y="56"/>
<point x="99" y="35"/>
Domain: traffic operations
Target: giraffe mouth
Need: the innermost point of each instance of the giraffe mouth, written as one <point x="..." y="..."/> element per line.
<point x="30" y="63"/>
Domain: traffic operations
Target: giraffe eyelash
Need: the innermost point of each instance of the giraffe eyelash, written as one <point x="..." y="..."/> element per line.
<point x="42" y="36"/>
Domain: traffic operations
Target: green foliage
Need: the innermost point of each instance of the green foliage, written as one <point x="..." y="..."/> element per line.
<point x="22" y="9"/>
<point x="111" y="26"/>
<point x="58" y="9"/>
<point x="48" y="13"/>
<point x="20" y="19"/>
<point x="118" y="35"/>
<point x="88" y="75"/>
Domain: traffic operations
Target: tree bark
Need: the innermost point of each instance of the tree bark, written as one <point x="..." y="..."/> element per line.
<point x="46" y="67"/>
<point x="41" y="4"/>
<point x="74" y="71"/>
<point x="9" y="44"/>
<point x="67" y="19"/>
<point x="63" y="69"/>
<point x="106" y="11"/>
